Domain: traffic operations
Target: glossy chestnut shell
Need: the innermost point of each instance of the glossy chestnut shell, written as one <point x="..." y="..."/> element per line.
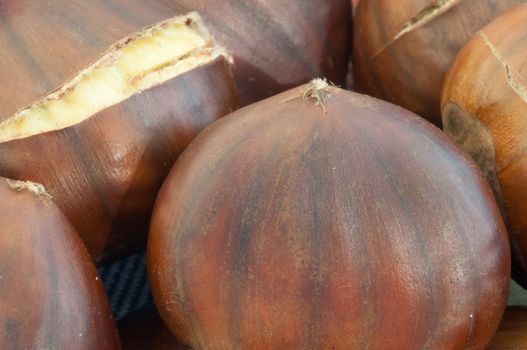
<point x="103" y="172"/>
<point x="52" y="296"/>
<point x="322" y="219"/>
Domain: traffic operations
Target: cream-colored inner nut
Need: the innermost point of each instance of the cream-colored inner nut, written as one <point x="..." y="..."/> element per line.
<point x="132" y="65"/>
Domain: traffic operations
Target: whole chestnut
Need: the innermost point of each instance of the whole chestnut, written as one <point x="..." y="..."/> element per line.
<point x="403" y="49"/>
<point x="512" y="332"/>
<point x="484" y="102"/>
<point x="52" y="296"/>
<point x="144" y="330"/>
<point x="103" y="142"/>
<point x="325" y="219"/>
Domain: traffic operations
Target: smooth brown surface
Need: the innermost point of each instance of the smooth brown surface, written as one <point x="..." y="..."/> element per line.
<point x="484" y="105"/>
<point x="104" y="173"/>
<point x="284" y="227"/>
<point x="276" y="44"/>
<point x="144" y="330"/>
<point x="51" y="296"/>
<point x="512" y="332"/>
<point x="410" y="70"/>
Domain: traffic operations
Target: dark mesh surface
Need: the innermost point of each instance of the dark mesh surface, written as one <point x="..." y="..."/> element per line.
<point x="127" y="285"/>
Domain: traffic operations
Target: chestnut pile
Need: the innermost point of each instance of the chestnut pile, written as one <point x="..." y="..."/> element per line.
<point x="279" y="209"/>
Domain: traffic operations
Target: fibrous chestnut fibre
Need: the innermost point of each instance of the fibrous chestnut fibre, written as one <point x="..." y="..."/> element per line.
<point x="103" y="142"/>
<point x="403" y="49"/>
<point x="327" y="220"/>
<point x="51" y="294"/>
<point x="484" y="103"/>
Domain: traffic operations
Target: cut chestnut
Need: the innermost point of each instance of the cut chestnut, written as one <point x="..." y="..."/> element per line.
<point x="276" y="44"/>
<point x="484" y="103"/>
<point x="325" y="219"/>
<point x="403" y="49"/>
<point x="52" y="296"/>
<point x="104" y="141"/>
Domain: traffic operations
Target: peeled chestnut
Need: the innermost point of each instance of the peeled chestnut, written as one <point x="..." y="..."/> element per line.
<point x="144" y="330"/>
<point x="103" y="142"/>
<point x="325" y="219"/>
<point x="403" y="49"/>
<point x="512" y="332"/>
<point x="52" y="296"/>
<point x="484" y="103"/>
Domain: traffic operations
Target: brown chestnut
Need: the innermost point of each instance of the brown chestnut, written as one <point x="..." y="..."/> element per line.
<point x="144" y="330"/>
<point x="279" y="44"/>
<point x="103" y="142"/>
<point x="52" y="296"/>
<point x="403" y="49"/>
<point x="325" y="219"/>
<point x="512" y="332"/>
<point x="484" y="103"/>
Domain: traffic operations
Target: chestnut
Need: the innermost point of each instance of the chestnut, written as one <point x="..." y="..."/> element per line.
<point x="52" y="296"/>
<point x="279" y="44"/>
<point x="144" y="330"/>
<point x="483" y="109"/>
<point x="403" y="49"/>
<point x="512" y="332"/>
<point x="103" y="142"/>
<point x="324" y="219"/>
